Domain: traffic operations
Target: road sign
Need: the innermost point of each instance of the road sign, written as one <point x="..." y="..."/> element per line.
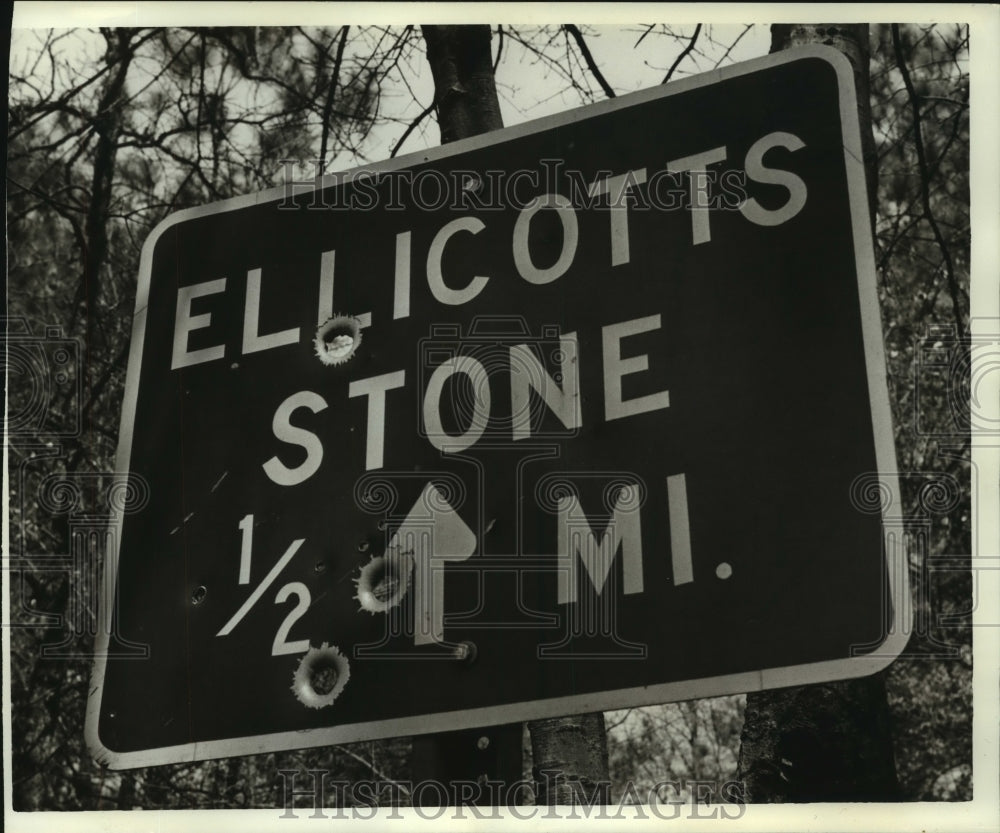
<point x="578" y="415"/>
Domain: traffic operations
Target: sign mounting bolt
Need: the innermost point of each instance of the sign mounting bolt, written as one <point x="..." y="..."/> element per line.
<point x="465" y="651"/>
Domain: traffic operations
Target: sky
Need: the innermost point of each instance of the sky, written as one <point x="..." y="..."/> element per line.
<point x="631" y="55"/>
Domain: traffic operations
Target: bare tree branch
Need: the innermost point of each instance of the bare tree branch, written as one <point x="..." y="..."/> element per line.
<point x="331" y="90"/>
<point x="953" y="288"/>
<point x="381" y="775"/>
<point x="412" y="126"/>
<point x="496" y="62"/>
<point x="732" y="46"/>
<point x="642" y="37"/>
<point x="591" y="65"/>
<point x="684" y="54"/>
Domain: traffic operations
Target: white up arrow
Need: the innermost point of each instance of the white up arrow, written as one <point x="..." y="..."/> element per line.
<point x="432" y="534"/>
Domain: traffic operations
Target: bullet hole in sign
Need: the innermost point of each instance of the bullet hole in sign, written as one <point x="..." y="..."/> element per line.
<point x="321" y="676"/>
<point x="324" y="680"/>
<point x="384" y="581"/>
<point x="337" y="339"/>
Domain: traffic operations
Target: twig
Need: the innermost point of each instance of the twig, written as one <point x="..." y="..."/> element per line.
<point x="410" y="129"/>
<point x="582" y="44"/>
<point x="618" y="723"/>
<point x="642" y="37"/>
<point x="496" y="63"/>
<point x="45" y="197"/>
<point x="331" y="91"/>
<point x="374" y="771"/>
<point x="953" y="288"/>
<point x="747" y="27"/>
<point x="684" y="54"/>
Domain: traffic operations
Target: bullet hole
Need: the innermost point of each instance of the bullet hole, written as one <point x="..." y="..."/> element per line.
<point x="198" y="594"/>
<point x="363" y="546"/>
<point x="234" y="366"/>
<point x="386" y="584"/>
<point x="382" y="526"/>
<point x="337" y="339"/>
<point x="724" y="570"/>
<point x="324" y="679"/>
<point x="384" y="581"/>
<point x="321" y="676"/>
<point x="483" y="743"/>
<point x="320" y="566"/>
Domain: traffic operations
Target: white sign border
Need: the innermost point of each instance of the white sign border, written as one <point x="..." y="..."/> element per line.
<point x="803" y="674"/>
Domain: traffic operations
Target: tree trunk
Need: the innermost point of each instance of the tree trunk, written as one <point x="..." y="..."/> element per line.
<point x="107" y="126"/>
<point x="852" y="40"/>
<point x="570" y="753"/>
<point x="107" y="123"/>
<point x="126" y="791"/>
<point x="465" y="91"/>
<point x="570" y="757"/>
<point x="829" y="742"/>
